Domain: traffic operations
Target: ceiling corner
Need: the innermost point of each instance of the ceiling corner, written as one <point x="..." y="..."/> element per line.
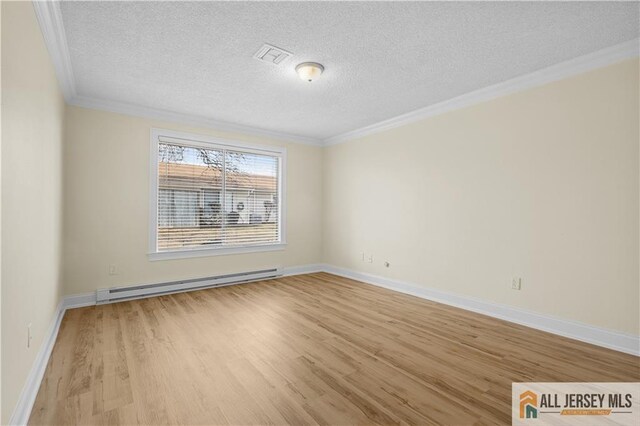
<point x="50" y="20"/>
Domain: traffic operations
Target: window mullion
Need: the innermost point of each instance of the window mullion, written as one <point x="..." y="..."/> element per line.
<point x="224" y="197"/>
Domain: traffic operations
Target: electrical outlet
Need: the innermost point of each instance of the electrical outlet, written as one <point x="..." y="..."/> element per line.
<point x="370" y="258"/>
<point x="387" y="264"/>
<point x="113" y="269"/>
<point x="29" y="336"/>
<point x="516" y="283"/>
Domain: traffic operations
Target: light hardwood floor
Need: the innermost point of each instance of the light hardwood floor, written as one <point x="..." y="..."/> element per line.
<point x="309" y="349"/>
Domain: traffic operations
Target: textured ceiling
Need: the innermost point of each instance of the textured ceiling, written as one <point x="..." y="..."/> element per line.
<point x="381" y="59"/>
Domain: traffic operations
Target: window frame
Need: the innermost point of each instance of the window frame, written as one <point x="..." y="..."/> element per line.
<point x="211" y="142"/>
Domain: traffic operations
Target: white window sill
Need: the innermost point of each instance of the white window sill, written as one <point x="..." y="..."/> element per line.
<point x="221" y="251"/>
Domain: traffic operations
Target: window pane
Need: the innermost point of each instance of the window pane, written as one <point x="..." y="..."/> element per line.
<point x="211" y="207"/>
<point x="251" y="198"/>
<point x="188" y="179"/>
<point x="164" y="207"/>
<point x="216" y="197"/>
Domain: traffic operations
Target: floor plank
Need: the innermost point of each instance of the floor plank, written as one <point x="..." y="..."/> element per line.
<point x="308" y="349"/>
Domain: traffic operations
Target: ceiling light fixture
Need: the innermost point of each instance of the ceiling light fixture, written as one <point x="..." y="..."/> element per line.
<point x="309" y="71"/>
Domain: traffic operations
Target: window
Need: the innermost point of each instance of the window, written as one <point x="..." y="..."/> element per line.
<point x="210" y="196"/>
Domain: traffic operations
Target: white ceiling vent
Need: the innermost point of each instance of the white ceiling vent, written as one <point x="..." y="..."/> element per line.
<point x="271" y="54"/>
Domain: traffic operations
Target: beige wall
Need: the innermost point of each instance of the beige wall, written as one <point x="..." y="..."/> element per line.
<point x="32" y="131"/>
<point x="107" y="206"/>
<point x="542" y="184"/>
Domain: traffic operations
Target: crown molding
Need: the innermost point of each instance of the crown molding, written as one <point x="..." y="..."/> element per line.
<point x="50" y="20"/>
<point x="188" y="119"/>
<point x="598" y="59"/>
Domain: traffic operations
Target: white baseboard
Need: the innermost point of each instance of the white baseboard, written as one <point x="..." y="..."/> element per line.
<point x="27" y="398"/>
<point x="575" y="330"/>
<point x="21" y="412"/>
<point x="610" y="339"/>
<point x="89" y="299"/>
<point x="598" y="336"/>
<point x="304" y="269"/>
<point x="79" y="300"/>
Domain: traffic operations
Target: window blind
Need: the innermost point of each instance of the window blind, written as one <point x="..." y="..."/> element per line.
<point x="209" y="197"/>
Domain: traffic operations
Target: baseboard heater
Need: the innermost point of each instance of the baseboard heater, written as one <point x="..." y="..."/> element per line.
<point x="117" y="294"/>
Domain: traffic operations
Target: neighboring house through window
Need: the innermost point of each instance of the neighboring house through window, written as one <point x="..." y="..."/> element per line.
<point x="211" y="196"/>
